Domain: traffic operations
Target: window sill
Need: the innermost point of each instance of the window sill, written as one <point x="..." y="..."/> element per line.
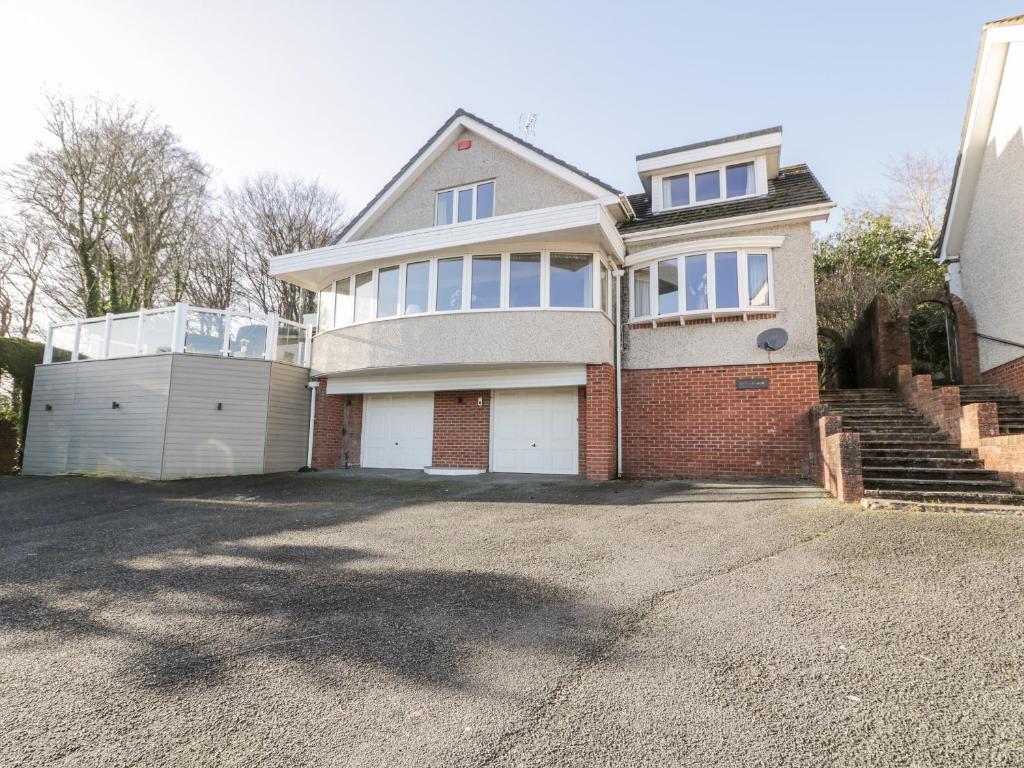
<point x="704" y="318"/>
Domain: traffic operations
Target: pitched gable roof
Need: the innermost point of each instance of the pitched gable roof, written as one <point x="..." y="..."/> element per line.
<point x="468" y="119"/>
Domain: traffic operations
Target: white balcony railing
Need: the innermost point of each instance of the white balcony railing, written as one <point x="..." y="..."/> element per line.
<point x="181" y="328"/>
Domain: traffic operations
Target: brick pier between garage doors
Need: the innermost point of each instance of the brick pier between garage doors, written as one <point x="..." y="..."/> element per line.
<point x="543" y="430"/>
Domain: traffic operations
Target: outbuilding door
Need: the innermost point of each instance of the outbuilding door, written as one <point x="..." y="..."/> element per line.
<point x="535" y="430"/>
<point x="398" y="431"/>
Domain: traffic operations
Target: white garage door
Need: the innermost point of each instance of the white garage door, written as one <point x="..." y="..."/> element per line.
<point x="398" y="431"/>
<point x="535" y="430"/>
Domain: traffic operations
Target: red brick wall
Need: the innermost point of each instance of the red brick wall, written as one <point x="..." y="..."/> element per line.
<point x="597" y="424"/>
<point x="680" y="422"/>
<point x="1008" y="375"/>
<point x="462" y="430"/>
<point x="337" y="429"/>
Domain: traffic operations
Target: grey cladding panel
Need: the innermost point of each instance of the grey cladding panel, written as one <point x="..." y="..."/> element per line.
<point x="46" y="444"/>
<point x="287" y="418"/>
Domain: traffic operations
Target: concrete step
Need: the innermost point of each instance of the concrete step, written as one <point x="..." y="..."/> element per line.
<point x="958" y="474"/>
<point x="892" y="429"/>
<point x="942" y="506"/>
<point x="922" y="453"/>
<point x="922" y="460"/>
<point x="1012" y="500"/>
<point x="939" y="485"/>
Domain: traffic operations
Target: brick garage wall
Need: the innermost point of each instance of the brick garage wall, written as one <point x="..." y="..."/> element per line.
<point x="462" y="430"/>
<point x="337" y="429"/>
<point x="597" y="424"/>
<point x="693" y="422"/>
<point x="1008" y="376"/>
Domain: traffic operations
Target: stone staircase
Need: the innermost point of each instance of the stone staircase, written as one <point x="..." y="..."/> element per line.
<point x="906" y="459"/>
<point x="1011" y="407"/>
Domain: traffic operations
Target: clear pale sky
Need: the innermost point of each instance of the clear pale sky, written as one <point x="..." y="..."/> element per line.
<point x="346" y="91"/>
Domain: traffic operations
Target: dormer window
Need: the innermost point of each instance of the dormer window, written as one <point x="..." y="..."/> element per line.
<point x="461" y="204"/>
<point x="707" y="186"/>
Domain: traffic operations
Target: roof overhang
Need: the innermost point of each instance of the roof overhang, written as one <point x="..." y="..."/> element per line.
<point x="767" y="142"/>
<point x="808" y="213"/>
<point x="578" y="222"/>
<point x="996" y="39"/>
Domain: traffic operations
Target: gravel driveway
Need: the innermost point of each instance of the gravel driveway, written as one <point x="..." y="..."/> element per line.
<point x="362" y="620"/>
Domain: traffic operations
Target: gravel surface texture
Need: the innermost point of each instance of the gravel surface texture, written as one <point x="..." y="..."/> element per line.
<point x="382" y="619"/>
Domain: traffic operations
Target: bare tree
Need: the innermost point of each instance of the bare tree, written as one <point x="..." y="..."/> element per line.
<point x="27" y="253"/>
<point x="920" y="186"/>
<point x="213" y="266"/>
<point x="269" y="216"/>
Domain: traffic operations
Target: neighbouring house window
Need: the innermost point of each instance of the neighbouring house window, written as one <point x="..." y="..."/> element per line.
<point x="326" y="308"/>
<point x="757" y="280"/>
<point x="739" y="180"/>
<point x="387" y="292"/>
<point x="417" y="287"/>
<point x="343" y="312"/>
<point x="475" y="201"/>
<point x="445" y="213"/>
<point x="485" y="284"/>
<point x="606" y="298"/>
<point x="668" y="286"/>
<point x="572" y="280"/>
<point x="524" y="280"/>
<point x="364" y="297"/>
<point x="707" y="186"/>
<point x="697" y="281"/>
<point x="675" y="191"/>
<point x="642" y="292"/>
<point x="727" y="276"/>
<point x="449" y="285"/>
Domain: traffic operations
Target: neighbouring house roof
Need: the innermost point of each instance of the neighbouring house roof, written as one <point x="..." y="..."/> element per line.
<point x="461" y="114"/>
<point x="711" y="142"/>
<point x="996" y="37"/>
<point x="794" y="187"/>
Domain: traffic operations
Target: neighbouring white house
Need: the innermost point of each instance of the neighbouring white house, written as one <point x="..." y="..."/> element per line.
<point x="982" y="241"/>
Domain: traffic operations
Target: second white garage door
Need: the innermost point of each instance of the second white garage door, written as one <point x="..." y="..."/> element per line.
<point x="398" y="431"/>
<point x="535" y="430"/>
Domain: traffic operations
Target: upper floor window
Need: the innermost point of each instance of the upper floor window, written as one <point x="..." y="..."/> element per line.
<point x="475" y="201"/>
<point x="698" y="283"/>
<point x="706" y="186"/>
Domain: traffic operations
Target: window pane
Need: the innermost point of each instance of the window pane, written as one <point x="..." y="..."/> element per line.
<point x="465" y="204"/>
<point x="364" y="296"/>
<point x="524" y="280"/>
<point x="739" y="180"/>
<point x="445" y="201"/>
<point x="707" y="186"/>
<point x="668" y="286"/>
<point x="642" y="292"/>
<point x="326" y="308"/>
<point x="486" y="283"/>
<point x="727" y="286"/>
<point x="697" y="282"/>
<point x="387" y="292"/>
<point x="572" y="281"/>
<point x="449" y="284"/>
<point x="606" y="298"/>
<point x="417" y="287"/>
<point x="757" y="279"/>
<point x="485" y="200"/>
<point x="343" y="312"/>
<point x="676" y="191"/>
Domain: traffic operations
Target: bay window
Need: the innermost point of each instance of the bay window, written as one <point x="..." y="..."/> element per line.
<point x="731" y="282"/>
<point x="387" y="292"/>
<point x="524" y="280"/>
<point x="364" y="296"/>
<point x="468" y="203"/>
<point x="417" y="287"/>
<point x="485" y="288"/>
<point x="449" y="285"/>
<point x="572" y="280"/>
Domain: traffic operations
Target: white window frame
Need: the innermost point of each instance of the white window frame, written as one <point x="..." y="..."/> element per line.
<point x="712" y="310"/>
<point x="475" y="186"/>
<point x="599" y="258"/>
<point x="760" y="182"/>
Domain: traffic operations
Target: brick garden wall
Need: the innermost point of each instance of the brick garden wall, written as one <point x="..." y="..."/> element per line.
<point x="462" y="430"/>
<point x="680" y="422"/>
<point x="337" y="429"/>
<point x="1008" y="375"/>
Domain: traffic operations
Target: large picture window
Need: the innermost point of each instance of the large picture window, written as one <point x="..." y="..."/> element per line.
<point x="728" y="282"/>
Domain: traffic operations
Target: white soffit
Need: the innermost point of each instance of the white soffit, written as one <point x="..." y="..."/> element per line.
<point x="519" y="377"/>
<point x="754" y="144"/>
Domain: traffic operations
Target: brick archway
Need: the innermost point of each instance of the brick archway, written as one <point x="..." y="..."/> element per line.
<point x="966" y="340"/>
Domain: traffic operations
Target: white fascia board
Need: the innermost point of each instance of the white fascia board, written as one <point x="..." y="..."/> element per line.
<point x="817" y="212"/>
<point x="981" y="104"/>
<point x="510" y="226"/>
<point x="713" y="152"/>
<point x="735" y="243"/>
<point x="468" y="378"/>
<point x="402" y="183"/>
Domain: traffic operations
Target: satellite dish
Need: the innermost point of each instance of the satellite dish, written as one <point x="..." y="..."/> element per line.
<point x="772" y="340"/>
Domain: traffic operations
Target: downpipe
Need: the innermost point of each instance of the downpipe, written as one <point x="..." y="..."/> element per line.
<point x="312" y="418"/>
<point x="618" y="373"/>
